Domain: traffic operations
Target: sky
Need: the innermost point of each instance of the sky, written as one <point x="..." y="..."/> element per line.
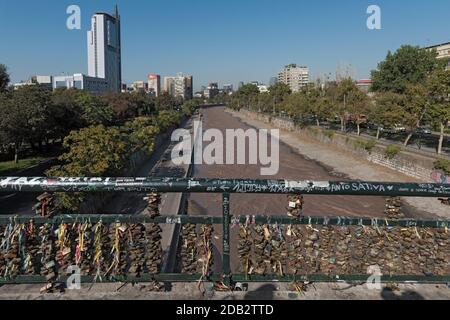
<point x="219" y="41"/>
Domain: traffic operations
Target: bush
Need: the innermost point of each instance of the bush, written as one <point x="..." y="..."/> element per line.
<point x="167" y="119"/>
<point x="370" y="145"/>
<point x="358" y="144"/>
<point x="443" y="164"/>
<point x="392" y="151"/>
<point x="365" y="145"/>
<point x="329" y="134"/>
<point x="313" y="130"/>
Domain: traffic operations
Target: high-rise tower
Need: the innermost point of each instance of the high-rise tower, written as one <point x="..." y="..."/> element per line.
<point x="104" y="49"/>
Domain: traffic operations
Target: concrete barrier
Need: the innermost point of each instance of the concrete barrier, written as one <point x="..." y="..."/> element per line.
<point x="410" y="163"/>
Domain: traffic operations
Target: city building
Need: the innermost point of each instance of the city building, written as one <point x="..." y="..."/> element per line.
<point x="364" y="84"/>
<point x="198" y="94"/>
<point x="241" y="83"/>
<point x="294" y="76"/>
<point x="169" y="85"/>
<point x="104" y="50"/>
<point x="263" y="88"/>
<point x="227" y="88"/>
<point x="104" y="58"/>
<point x="443" y="51"/>
<point x="180" y="86"/>
<point x="140" y="86"/>
<point x="189" y="89"/>
<point x="80" y="81"/>
<point x="154" y="84"/>
<point x="211" y="91"/>
<point x="46" y="81"/>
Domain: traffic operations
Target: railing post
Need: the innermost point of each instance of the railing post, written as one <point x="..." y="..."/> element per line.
<point x="226" y="239"/>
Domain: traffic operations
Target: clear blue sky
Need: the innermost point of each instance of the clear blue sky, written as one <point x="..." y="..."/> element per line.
<point x="225" y="41"/>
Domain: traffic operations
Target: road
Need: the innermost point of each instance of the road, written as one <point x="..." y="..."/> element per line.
<point x="426" y="143"/>
<point x="22" y="203"/>
<point x="293" y="166"/>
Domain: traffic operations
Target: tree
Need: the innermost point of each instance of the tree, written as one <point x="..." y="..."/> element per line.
<point x="279" y="92"/>
<point x="296" y="106"/>
<point x="189" y="107"/>
<point x="95" y="109"/>
<point x="165" y="102"/>
<point x="264" y="102"/>
<point x="66" y="113"/>
<point x="167" y="119"/>
<point x="351" y="101"/>
<point x="96" y="151"/>
<point x="244" y="97"/>
<point x="387" y="110"/>
<point x="13" y="124"/>
<point x="415" y="108"/>
<point x="439" y="89"/>
<point x="130" y="105"/>
<point x="408" y="65"/>
<point x="143" y="133"/>
<point x="33" y="103"/>
<point x="318" y="103"/>
<point x="4" y="77"/>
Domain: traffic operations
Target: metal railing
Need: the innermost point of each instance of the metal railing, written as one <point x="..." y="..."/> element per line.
<point x="226" y="187"/>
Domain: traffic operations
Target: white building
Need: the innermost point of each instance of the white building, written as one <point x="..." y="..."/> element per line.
<point x="80" y="81"/>
<point x="154" y="84"/>
<point x="179" y="86"/>
<point x="443" y="51"/>
<point x="46" y="81"/>
<point x="140" y="86"/>
<point x="104" y="49"/>
<point x="294" y="76"/>
<point x="211" y="91"/>
<point x="104" y="58"/>
<point x="169" y="85"/>
<point x="263" y="88"/>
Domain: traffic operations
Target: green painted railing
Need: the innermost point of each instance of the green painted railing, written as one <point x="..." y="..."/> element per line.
<point x="226" y="187"/>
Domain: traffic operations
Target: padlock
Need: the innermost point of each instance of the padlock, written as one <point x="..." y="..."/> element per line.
<point x="154" y="248"/>
<point x="47" y="252"/>
<point x="205" y="258"/>
<point x="188" y="249"/>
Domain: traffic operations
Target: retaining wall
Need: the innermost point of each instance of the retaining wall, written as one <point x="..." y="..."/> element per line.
<point x="412" y="164"/>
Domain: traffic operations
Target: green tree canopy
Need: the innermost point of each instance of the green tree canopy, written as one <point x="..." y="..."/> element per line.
<point x="66" y="113"/>
<point x="408" y="65"/>
<point x="166" y="102"/>
<point x="245" y="96"/>
<point x="95" y="109"/>
<point x="167" y="119"/>
<point x="279" y="92"/>
<point x="95" y="151"/>
<point x="350" y="101"/>
<point x="4" y="77"/>
<point x="143" y="132"/>
<point x="439" y="90"/>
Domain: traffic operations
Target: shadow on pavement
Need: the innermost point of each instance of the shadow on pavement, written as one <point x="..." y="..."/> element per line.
<point x="388" y="294"/>
<point x="264" y="292"/>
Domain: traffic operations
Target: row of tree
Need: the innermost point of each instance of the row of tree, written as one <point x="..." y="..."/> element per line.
<point x="36" y="116"/>
<point x="99" y="151"/>
<point x="98" y="133"/>
<point x="411" y="87"/>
